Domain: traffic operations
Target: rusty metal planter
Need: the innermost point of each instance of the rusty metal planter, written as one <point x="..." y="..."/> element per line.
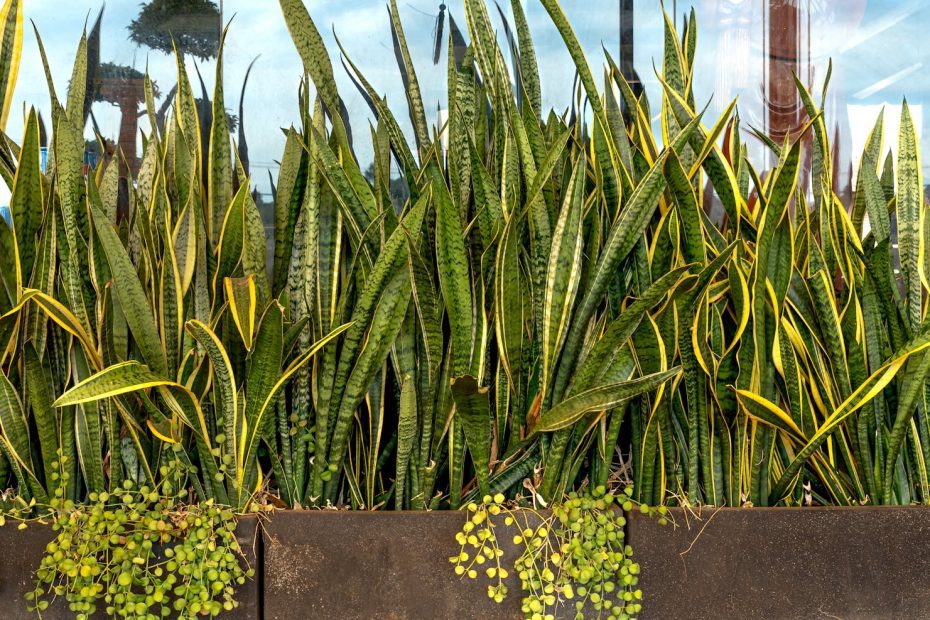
<point x="781" y="563"/>
<point x="716" y="563"/>
<point x="388" y="565"/>
<point x="22" y="550"/>
<point x="867" y="562"/>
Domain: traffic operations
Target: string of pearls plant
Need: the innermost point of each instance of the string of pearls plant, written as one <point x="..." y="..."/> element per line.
<point x="143" y="552"/>
<point x="572" y="557"/>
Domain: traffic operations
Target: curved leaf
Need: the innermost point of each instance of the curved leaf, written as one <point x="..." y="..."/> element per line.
<point x="112" y="381"/>
<point x="600" y="398"/>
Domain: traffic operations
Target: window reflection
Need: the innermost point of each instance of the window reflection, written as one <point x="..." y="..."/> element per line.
<point x="125" y="39"/>
<point x="747" y="49"/>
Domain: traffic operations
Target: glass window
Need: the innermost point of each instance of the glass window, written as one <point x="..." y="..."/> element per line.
<point x="747" y="49"/>
<point x="125" y="38"/>
<point x="750" y="49"/>
<point x="131" y="37"/>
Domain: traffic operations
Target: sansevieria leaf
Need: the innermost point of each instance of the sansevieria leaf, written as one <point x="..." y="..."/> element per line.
<point x="454" y="274"/>
<point x="564" y="272"/>
<point x="130" y="294"/>
<point x="225" y="392"/>
<point x="312" y="52"/>
<point x="406" y="434"/>
<point x="600" y="398"/>
<point x="910" y="216"/>
<point x="473" y="409"/>
<point x="112" y="381"/>
<point x="28" y="199"/>
<point x="11" y="47"/>
<point x="241" y="297"/>
<point x="219" y="179"/>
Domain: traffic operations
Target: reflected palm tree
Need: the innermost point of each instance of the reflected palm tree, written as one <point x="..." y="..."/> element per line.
<point x="194" y="26"/>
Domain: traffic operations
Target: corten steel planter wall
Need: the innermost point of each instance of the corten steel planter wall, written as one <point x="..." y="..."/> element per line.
<point x="767" y="563"/>
<point x="774" y="563"/>
<point x="22" y="550"/>
<point x="781" y="563"/>
<point x="386" y="565"/>
<point x="20" y="554"/>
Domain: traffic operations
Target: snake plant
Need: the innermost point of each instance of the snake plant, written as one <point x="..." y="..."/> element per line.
<point x="553" y="305"/>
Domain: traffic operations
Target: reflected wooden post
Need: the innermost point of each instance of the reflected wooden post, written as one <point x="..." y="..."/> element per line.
<point x="127" y="93"/>
<point x="626" y="11"/>
<point x="783" y="62"/>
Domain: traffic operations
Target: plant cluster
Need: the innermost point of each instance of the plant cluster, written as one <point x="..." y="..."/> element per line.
<point x="552" y="302"/>
<point x="574" y="556"/>
<point x="479" y="544"/>
<point x="143" y="554"/>
<point x="571" y="297"/>
<point x="549" y="300"/>
<point x="383" y="359"/>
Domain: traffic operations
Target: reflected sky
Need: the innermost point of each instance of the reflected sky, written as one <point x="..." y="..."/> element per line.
<point x="878" y="46"/>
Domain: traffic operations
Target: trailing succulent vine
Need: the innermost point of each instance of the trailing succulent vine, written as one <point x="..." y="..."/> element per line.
<point x="573" y="556"/>
<point x="138" y="555"/>
<point x="141" y="552"/>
